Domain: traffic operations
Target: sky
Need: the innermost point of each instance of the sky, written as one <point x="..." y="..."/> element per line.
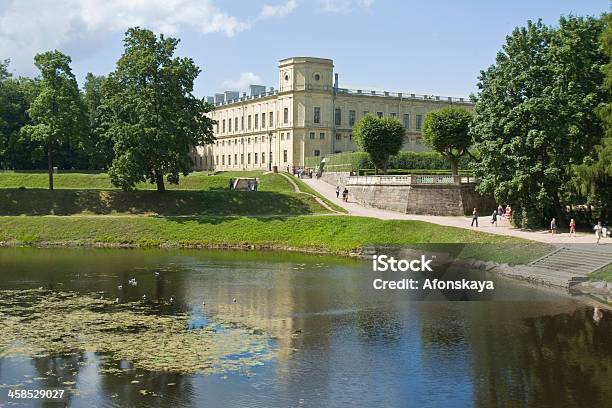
<point x="425" y="46"/>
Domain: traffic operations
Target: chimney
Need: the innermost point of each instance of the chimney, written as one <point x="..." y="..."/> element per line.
<point x="336" y="80"/>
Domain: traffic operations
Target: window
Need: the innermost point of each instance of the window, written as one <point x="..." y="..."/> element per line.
<point x="255" y="158"/>
<point x="379" y="114"/>
<point x="256" y="121"/>
<point x="282" y="136"/>
<point x="271" y="116"/>
<point x="317" y="114"/>
<point x="216" y="127"/>
<point x="317" y="77"/>
<point x="256" y="138"/>
<point x="263" y="120"/>
<point x="229" y="125"/>
<point x="229" y="159"/>
<point x="217" y="159"/>
<point x="419" y="120"/>
<point x="242" y="123"/>
<point x="351" y="136"/>
<point x="407" y="120"/>
<point x="249" y="123"/>
<point x="235" y="159"/>
<point x="263" y="157"/>
<point x="288" y="134"/>
<point x="223" y="126"/>
<point x="312" y="135"/>
<point x="242" y="159"/>
<point x="393" y="115"/>
<point x="317" y="153"/>
<point x="235" y="141"/>
<point x="322" y="136"/>
<point x="338" y="116"/>
<point x="249" y="140"/>
<point x="248" y="158"/>
<point x="351" y="118"/>
<point x="223" y="159"/>
<point x="236" y="123"/>
<point x="338" y="136"/>
<point x="286" y="115"/>
<point x="284" y="156"/>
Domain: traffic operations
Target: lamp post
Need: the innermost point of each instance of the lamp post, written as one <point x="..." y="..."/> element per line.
<point x="270" y="151"/>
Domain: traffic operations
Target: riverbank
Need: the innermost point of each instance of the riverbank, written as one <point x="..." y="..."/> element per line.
<point x="323" y="234"/>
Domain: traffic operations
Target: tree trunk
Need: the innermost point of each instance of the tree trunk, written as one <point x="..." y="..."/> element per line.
<point x="385" y="167"/>
<point x="50" y="165"/>
<point x="559" y="213"/>
<point x="159" y="180"/>
<point x="453" y="163"/>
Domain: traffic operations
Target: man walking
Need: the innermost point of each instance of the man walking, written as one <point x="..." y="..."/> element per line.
<point x="337" y="191"/>
<point x="474" y="217"/>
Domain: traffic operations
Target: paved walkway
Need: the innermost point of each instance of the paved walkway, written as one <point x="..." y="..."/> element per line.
<point x="328" y="191"/>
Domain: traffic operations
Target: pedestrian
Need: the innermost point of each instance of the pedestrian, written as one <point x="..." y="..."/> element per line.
<point x="572" y="226"/>
<point x="474" y="217"/>
<point x="256" y="184"/>
<point x="598" y="231"/>
<point x="231" y="184"/>
<point x="508" y="213"/>
<point x="345" y="194"/>
<point x="494" y="218"/>
<point x="500" y="213"/>
<point x="553" y="226"/>
<point x="337" y="191"/>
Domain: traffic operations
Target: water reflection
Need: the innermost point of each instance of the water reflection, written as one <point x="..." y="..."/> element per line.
<point x="337" y="341"/>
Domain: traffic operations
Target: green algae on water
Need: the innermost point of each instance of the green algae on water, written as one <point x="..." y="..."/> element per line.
<point x="39" y="322"/>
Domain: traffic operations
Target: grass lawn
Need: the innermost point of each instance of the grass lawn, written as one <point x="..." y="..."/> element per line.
<point x="604" y="273"/>
<point x="101" y="181"/>
<point x="196" y="195"/>
<point x="335" y="234"/>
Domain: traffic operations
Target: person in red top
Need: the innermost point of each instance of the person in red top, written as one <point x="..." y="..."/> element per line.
<point x="572" y="226"/>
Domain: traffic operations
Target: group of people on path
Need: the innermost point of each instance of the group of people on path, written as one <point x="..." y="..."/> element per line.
<point x="302" y="173"/>
<point x="345" y="194"/>
<point x="498" y="214"/>
<point x="505" y="214"/>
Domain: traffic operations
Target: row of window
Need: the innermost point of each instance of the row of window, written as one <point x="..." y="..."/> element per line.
<point x="353" y="117"/>
<point x="255" y="157"/>
<point x="256" y="117"/>
<point x="248" y="139"/>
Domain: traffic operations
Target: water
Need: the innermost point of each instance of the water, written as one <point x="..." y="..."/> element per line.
<point x="335" y="341"/>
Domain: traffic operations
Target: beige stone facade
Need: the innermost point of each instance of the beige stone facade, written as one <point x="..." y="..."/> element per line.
<point x="308" y="115"/>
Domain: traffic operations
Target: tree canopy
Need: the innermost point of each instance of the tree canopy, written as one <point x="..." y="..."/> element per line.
<point x="535" y="115"/>
<point x="150" y="112"/>
<point x="447" y="131"/>
<point x="57" y="111"/>
<point x="381" y="138"/>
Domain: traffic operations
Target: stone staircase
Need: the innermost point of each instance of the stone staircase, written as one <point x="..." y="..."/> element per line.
<point x="574" y="262"/>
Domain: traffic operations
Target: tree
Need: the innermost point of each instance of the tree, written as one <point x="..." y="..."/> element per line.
<point x="535" y="115"/>
<point x="381" y="138"/>
<point x="99" y="145"/>
<point x="593" y="177"/>
<point x="447" y="132"/>
<point x="57" y="111"/>
<point x="150" y="112"/>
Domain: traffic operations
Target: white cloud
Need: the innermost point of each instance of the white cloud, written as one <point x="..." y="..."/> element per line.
<point x="30" y="26"/>
<point x="242" y="83"/>
<point x="280" y="10"/>
<point x="338" y="6"/>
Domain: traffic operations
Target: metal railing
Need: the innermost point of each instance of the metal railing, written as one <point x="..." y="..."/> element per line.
<point x="409" y="179"/>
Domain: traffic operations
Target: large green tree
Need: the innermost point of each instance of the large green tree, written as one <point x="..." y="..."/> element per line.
<point x="593" y="177"/>
<point x="447" y="131"/>
<point x="58" y="112"/>
<point x="99" y="145"/>
<point x="150" y="112"/>
<point x="535" y="114"/>
<point x="381" y="138"/>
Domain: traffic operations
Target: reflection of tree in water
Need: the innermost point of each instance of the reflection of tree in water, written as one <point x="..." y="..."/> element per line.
<point x="562" y="360"/>
<point x="54" y="371"/>
<point x="379" y="324"/>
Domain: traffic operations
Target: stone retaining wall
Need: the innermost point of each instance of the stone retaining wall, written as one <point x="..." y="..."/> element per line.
<point x="440" y="199"/>
<point x="335" y="178"/>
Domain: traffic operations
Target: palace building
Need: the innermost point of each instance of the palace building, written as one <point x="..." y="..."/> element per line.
<point x="308" y="115"/>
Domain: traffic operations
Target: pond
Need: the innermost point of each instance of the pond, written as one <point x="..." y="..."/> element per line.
<point x="188" y="328"/>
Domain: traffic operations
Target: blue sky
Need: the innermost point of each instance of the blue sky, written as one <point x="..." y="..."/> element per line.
<point x="433" y="47"/>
